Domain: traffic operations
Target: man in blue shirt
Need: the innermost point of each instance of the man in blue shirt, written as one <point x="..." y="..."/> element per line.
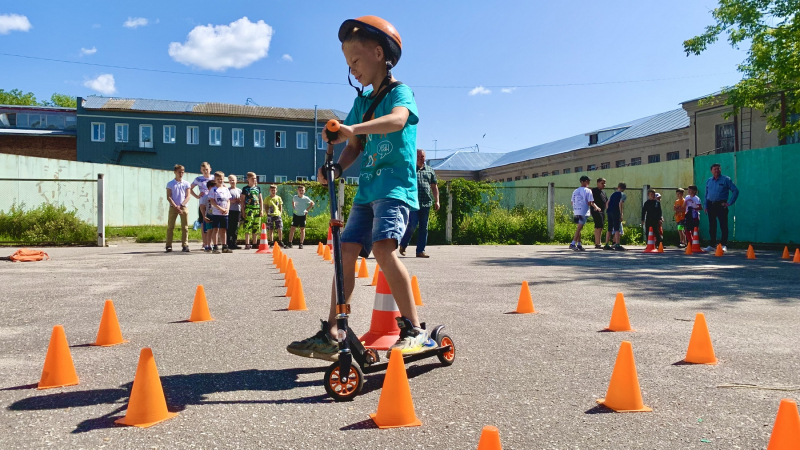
<point x="718" y="189"/>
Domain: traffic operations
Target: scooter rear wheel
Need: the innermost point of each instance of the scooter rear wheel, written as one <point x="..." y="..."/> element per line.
<point x="343" y="392"/>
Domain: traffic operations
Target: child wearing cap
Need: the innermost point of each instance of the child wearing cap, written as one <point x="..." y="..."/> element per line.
<point x="652" y="216"/>
<point x="381" y="131"/>
<point x="582" y="203"/>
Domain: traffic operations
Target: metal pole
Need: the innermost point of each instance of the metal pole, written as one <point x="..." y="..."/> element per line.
<point x="448" y="231"/>
<point x="316" y="144"/>
<point x="101" y="212"/>
<point x="551" y="210"/>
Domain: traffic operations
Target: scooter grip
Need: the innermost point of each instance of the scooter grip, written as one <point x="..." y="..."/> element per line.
<point x="332" y="130"/>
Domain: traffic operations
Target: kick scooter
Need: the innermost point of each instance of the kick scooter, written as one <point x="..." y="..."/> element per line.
<point x="344" y="379"/>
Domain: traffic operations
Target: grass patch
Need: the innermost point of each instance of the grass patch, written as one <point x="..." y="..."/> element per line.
<point x="46" y="224"/>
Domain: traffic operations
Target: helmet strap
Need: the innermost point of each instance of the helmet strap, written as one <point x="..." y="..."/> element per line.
<point x="358" y="89"/>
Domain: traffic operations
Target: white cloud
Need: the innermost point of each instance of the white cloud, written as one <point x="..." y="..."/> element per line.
<point x="287" y="57"/>
<point x="14" y="22"/>
<point x="508" y="90"/>
<point x="103" y="84"/>
<point x="220" y="47"/>
<point x="135" y="22"/>
<point x="480" y="90"/>
<point x="88" y="51"/>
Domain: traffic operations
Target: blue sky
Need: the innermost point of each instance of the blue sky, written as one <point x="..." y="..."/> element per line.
<point x="449" y="49"/>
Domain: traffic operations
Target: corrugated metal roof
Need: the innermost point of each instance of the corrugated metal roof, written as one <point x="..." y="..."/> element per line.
<point x="466" y="161"/>
<point x="222" y="109"/>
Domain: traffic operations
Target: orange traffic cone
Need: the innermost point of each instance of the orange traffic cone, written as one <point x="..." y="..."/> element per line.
<point x="284" y="263"/>
<point x="786" y="431"/>
<point x="651" y="242"/>
<point x="751" y="254"/>
<point x="395" y="407"/>
<point x="700" y="349"/>
<point x="375" y="277"/>
<point x="525" y="302"/>
<point x="688" y="250"/>
<point x="330" y="239"/>
<point x="355" y="269"/>
<point x="326" y="254"/>
<point x="490" y="439"/>
<point x="363" y="272"/>
<point x="297" y="301"/>
<point x="276" y="255"/>
<point x="290" y="277"/>
<point x="696" y="242"/>
<point x="624" y="394"/>
<point x="263" y="245"/>
<point x="796" y="256"/>
<point x="383" y="330"/>
<point x="619" y="316"/>
<point x="58" y="368"/>
<point x="415" y="291"/>
<point x="109" y="333"/>
<point x="660" y="247"/>
<point x="200" y="312"/>
<point x="718" y="251"/>
<point x="147" y="405"/>
<point x="319" y="248"/>
<point x="786" y="253"/>
<point x="289" y="269"/>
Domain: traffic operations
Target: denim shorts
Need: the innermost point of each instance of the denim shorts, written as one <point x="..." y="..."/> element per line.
<point x="372" y="222"/>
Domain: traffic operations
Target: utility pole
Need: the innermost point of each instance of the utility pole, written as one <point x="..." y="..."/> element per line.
<point x="314" y="173"/>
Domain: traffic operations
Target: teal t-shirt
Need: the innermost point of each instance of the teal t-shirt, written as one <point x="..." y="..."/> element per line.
<point x="389" y="162"/>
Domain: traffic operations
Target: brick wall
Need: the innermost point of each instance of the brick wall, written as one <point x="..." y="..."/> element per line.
<point x="55" y="147"/>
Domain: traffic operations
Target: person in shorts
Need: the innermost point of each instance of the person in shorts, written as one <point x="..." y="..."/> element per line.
<point x="219" y="200"/>
<point x="599" y="217"/>
<point x="205" y="215"/>
<point x="693" y="209"/>
<point x="201" y="182"/>
<point x="582" y="203"/>
<point x="301" y="205"/>
<point x="275" y="216"/>
<point x="234" y="216"/>
<point x="616" y="210"/>
<point x="680" y="216"/>
<point x="252" y="210"/>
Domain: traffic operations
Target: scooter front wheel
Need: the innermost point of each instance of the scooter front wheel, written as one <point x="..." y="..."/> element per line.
<point x="343" y="392"/>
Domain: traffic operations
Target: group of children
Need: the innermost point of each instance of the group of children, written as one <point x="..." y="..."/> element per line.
<point x="687" y="214"/>
<point x="223" y="209"/>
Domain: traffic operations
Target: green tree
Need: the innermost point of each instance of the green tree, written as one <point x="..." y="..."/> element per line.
<point x="63" y="100"/>
<point x="771" y="71"/>
<point x="17" y="97"/>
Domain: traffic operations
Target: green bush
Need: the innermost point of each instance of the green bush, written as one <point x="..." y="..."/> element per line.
<point x="45" y="224"/>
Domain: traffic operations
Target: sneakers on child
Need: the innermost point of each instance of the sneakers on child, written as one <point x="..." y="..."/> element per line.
<point x="619" y="248"/>
<point x="608" y="247"/>
<point x="300" y="246"/>
<point x="207" y="249"/>
<point x="225" y="249"/>
<point x="412" y="339"/>
<point x="288" y="245"/>
<point x="185" y="249"/>
<point x="319" y="346"/>
<point x="580" y="248"/>
<point x="169" y="249"/>
<point x="216" y="250"/>
<point x="572" y="247"/>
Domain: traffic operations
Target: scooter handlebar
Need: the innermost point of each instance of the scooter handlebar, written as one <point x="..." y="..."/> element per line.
<point x="332" y="130"/>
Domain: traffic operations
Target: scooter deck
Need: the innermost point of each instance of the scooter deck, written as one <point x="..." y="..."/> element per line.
<point x="383" y="364"/>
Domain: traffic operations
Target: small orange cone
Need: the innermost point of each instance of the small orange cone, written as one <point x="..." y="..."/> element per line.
<point x="796" y="256"/>
<point x="289" y="268"/>
<point x="319" y="248"/>
<point x="718" y="251"/>
<point x="490" y="439"/>
<point x="525" y="302"/>
<point x="395" y="407"/>
<point x="786" y="431"/>
<point x="751" y="254"/>
<point x="624" y="393"/>
<point x="375" y="277"/>
<point x="284" y="263"/>
<point x="786" y="253"/>
<point x="700" y="349"/>
<point x="200" y="312"/>
<point x="326" y="254"/>
<point x="109" y="333"/>
<point x="58" y="368"/>
<point x="688" y="250"/>
<point x="363" y="272"/>
<point x="263" y="245"/>
<point x="147" y="405"/>
<point x="290" y="277"/>
<point x="619" y="316"/>
<point x="276" y="255"/>
<point x="297" y="302"/>
<point x="415" y="291"/>
<point x="660" y="247"/>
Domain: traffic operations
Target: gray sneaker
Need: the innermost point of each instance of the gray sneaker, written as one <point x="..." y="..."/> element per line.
<point x="319" y="346"/>
<point x="412" y="339"/>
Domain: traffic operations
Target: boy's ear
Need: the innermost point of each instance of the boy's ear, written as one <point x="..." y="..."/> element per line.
<point x="379" y="53"/>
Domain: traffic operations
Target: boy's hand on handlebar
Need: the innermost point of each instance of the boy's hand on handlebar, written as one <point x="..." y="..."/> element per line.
<point x="345" y="133"/>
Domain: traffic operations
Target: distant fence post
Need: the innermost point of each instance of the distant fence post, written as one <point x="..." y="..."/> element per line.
<point x="341" y="198"/>
<point x="448" y="231"/>
<point x="551" y="210"/>
<point x="101" y="211"/>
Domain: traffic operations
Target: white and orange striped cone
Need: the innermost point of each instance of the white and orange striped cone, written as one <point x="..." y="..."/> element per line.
<point x="383" y="330"/>
<point x="651" y="242"/>
<point x="330" y="239"/>
<point x="263" y="246"/>
<point x="696" y="242"/>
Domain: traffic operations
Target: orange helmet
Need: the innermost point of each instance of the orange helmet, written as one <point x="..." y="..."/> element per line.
<point x="384" y="31"/>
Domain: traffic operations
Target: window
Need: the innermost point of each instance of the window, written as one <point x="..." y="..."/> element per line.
<point x="605" y="165"/>
<point x="591" y="167"/>
<point x="321" y="143"/>
<point x="555" y="172"/>
<point x="169" y="134"/>
<point x="579" y="169"/>
<point x="567" y="170"/>
<point x="524" y="177"/>
<point x="121" y="132"/>
<point x="544" y="174"/>
<point x="687" y="153"/>
<point x="280" y="139"/>
<point x="280" y="178"/>
<point x="636" y="161"/>
<point x="299" y="178"/>
<point x="508" y="179"/>
<point x="192" y="135"/>
<point x="725" y="138"/>
<point x="146" y="136"/>
<point x="653" y="159"/>
<point x="259" y="138"/>
<point x="215" y="136"/>
<point x="592" y="139"/>
<point x="98" y="132"/>
<point x="535" y="175"/>
<point x="262" y="179"/>
<point x="620" y="163"/>
<point x="672" y="156"/>
<point x="302" y="140"/>
<point x="238" y="137"/>
<point x="351" y="180"/>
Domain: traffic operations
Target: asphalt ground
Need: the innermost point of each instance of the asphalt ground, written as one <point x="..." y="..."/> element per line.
<point x="535" y="377"/>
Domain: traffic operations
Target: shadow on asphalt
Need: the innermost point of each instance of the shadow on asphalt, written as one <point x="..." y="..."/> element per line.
<point x="599" y="409"/>
<point x="193" y="389"/>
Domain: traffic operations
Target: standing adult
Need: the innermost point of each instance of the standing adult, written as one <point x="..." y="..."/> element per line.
<point x="428" y="192"/>
<point x="201" y="181"/>
<point x="718" y="190"/>
<point x="600" y="200"/>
